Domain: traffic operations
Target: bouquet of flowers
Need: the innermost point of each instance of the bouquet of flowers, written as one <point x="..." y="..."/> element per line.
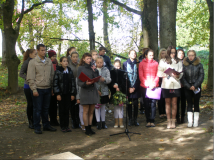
<point x="119" y="98"/>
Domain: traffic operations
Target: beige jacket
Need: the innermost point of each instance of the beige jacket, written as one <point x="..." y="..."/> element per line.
<point x="171" y="83"/>
<point x="39" y="74"/>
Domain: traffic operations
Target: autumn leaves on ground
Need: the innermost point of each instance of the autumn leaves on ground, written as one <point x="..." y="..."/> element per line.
<point x="17" y="141"/>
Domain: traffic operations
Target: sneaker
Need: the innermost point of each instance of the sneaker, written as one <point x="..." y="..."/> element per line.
<point x="63" y="130"/>
<point x="68" y="130"/>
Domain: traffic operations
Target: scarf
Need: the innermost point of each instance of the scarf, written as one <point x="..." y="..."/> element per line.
<point x="132" y="77"/>
<point x="190" y="62"/>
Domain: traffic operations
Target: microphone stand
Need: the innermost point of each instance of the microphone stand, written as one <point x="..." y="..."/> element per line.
<point x="126" y="130"/>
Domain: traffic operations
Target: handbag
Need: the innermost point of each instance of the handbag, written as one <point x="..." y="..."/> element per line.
<point x="153" y="93"/>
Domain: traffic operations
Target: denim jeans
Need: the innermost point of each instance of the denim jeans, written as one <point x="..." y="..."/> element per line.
<point x="41" y="107"/>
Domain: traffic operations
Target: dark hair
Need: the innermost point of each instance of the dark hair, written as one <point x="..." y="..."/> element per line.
<point x="102" y="48"/>
<point x="134" y="51"/>
<point x="26" y="54"/>
<point x="83" y="57"/>
<point x="181" y="51"/>
<point x="147" y="51"/>
<point x="167" y="56"/>
<point x="63" y="58"/>
<point x="39" y="46"/>
<point x="117" y="61"/>
<point x="68" y="50"/>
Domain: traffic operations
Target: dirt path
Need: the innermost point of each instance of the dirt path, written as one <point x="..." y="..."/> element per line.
<point x="17" y="141"/>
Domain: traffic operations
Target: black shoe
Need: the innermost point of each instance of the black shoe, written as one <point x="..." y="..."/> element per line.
<point x="142" y="112"/>
<point x="31" y="126"/>
<point x="135" y="122"/>
<point x="104" y="125"/>
<point x="87" y="130"/>
<point x="178" y="120"/>
<point x="99" y="125"/>
<point x="90" y="130"/>
<point x="37" y="131"/>
<point x="130" y="122"/>
<point x="50" y="129"/>
<point x="63" y="130"/>
<point x="68" y="130"/>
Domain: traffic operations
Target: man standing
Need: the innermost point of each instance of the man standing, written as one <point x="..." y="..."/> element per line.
<point x="40" y="78"/>
<point x="107" y="61"/>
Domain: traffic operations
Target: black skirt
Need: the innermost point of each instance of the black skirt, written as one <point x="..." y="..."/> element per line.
<point x="170" y="93"/>
<point x="104" y="99"/>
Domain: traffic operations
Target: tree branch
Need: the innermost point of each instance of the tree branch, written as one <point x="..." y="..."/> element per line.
<point x="127" y="7"/>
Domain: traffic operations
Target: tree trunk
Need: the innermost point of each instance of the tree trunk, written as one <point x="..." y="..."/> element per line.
<point x="90" y="25"/>
<point x="20" y="47"/>
<point x="210" y="66"/>
<point x="3" y="63"/>
<point x="105" y="29"/>
<point x="167" y="16"/>
<point x="11" y="36"/>
<point x="149" y="25"/>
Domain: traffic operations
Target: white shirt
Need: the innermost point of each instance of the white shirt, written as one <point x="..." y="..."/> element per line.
<point x="65" y="71"/>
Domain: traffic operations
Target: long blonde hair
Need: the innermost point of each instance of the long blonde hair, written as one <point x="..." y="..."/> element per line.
<point x="161" y="50"/>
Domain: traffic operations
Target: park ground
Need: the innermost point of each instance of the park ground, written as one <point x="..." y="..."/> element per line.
<point x="17" y="141"/>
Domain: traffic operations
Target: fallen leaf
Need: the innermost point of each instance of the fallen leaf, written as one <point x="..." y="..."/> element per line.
<point x="161" y="140"/>
<point x="161" y="149"/>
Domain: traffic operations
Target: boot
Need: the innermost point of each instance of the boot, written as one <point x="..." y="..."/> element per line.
<point x="94" y="121"/>
<point x="189" y="116"/>
<point x="130" y="122"/>
<point x="104" y="125"/>
<point x="87" y="132"/>
<point x="178" y="120"/>
<point x="31" y="126"/>
<point x="135" y="116"/>
<point x="135" y="122"/>
<point x="99" y="125"/>
<point x="168" y="123"/>
<point x="196" y="118"/>
<point x="116" y="123"/>
<point x="121" y="122"/>
<point x="173" y="124"/>
<point x="182" y="119"/>
<point x="90" y="130"/>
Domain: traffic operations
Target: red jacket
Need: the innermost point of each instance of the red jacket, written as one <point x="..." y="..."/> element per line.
<point x="148" y="70"/>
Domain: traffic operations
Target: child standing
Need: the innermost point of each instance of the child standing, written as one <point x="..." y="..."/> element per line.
<point x="117" y="84"/>
<point x="53" y="102"/>
<point x="103" y="91"/>
<point x="64" y="87"/>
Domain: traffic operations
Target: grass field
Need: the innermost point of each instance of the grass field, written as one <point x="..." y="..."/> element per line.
<point x="203" y="54"/>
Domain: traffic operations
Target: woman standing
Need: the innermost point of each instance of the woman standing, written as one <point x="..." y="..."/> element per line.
<point x="171" y="83"/>
<point x="88" y="93"/>
<point x="148" y="69"/>
<point x="192" y="80"/>
<point x="28" y="55"/>
<point x="182" y="99"/>
<point x="134" y="86"/>
<point x="161" y="102"/>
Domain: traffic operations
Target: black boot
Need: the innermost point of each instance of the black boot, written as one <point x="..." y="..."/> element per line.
<point x="130" y="122"/>
<point x="182" y="119"/>
<point x="87" y="132"/>
<point x="135" y="116"/>
<point x="135" y="122"/>
<point x="178" y="120"/>
<point x="31" y="126"/>
<point x="104" y="125"/>
<point x="94" y="121"/>
<point x="99" y="125"/>
<point x="90" y="130"/>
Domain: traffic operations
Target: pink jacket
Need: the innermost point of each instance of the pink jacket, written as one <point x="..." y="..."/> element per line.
<point x="148" y="73"/>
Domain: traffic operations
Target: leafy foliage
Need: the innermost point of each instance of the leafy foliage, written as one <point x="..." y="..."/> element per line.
<point x="119" y="98"/>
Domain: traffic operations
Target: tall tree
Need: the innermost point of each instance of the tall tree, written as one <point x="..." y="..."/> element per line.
<point x="210" y="68"/>
<point x="11" y="32"/>
<point x="167" y="15"/>
<point x="90" y="25"/>
<point x="3" y="63"/>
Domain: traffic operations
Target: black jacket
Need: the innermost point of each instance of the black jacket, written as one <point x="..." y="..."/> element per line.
<point x="58" y="81"/>
<point x="107" y="62"/>
<point x="193" y="74"/>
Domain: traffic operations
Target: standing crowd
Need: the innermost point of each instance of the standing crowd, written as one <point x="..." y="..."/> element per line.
<point x="53" y="87"/>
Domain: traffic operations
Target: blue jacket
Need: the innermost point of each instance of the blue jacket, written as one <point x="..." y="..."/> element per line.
<point x="136" y="93"/>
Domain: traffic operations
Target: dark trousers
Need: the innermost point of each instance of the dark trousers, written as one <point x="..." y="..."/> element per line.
<point x="161" y="105"/>
<point x="29" y="98"/>
<point x="53" y="109"/>
<point x="74" y="110"/>
<point x="64" y="106"/>
<point x="192" y="99"/>
<point x="41" y="107"/>
<point x="181" y="99"/>
<point x="134" y="102"/>
<point x="150" y="107"/>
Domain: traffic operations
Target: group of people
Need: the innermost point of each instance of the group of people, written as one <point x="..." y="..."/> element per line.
<point x="48" y="83"/>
